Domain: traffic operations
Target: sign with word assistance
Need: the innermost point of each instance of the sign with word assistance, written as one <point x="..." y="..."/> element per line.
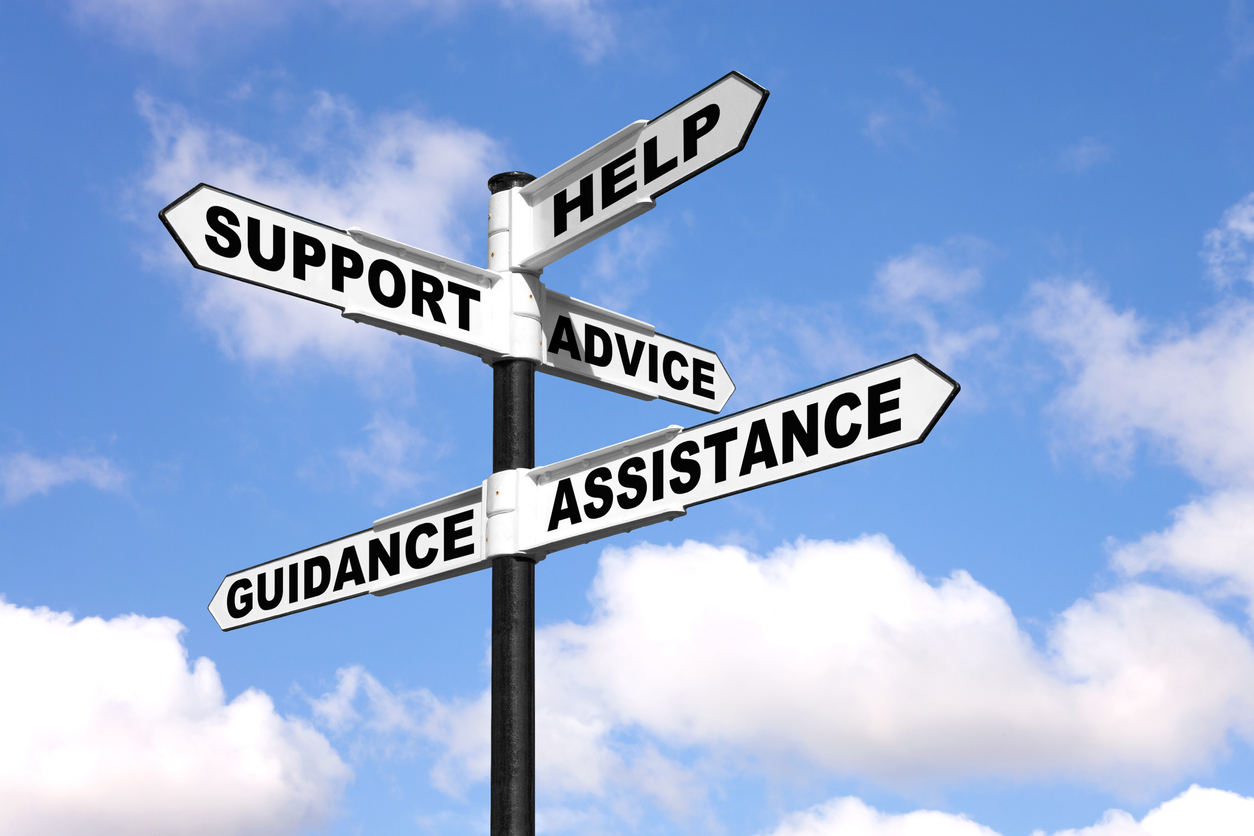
<point x="441" y="539"/>
<point x="658" y="476"/>
<point x="619" y="178"/>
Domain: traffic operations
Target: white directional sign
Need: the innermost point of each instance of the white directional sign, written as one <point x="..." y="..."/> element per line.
<point x="441" y="300"/>
<point x="658" y="476"/>
<point x="370" y="278"/>
<point x="438" y="540"/>
<point x="619" y="178"/>
<point x="592" y="345"/>
<point x="645" y="480"/>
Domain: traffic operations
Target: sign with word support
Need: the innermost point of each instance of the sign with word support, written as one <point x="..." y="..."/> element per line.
<point x="619" y="178"/>
<point x="592" y="345"/>
<point x="370" y="278"/>
<point x="438" y="540"/>
<point x="659" y="476"/>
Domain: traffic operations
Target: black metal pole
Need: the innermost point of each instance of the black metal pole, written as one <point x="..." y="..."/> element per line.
<point x="513" y="774"/>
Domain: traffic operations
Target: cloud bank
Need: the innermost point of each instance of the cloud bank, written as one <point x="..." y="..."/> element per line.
<point x="108" y="730"/>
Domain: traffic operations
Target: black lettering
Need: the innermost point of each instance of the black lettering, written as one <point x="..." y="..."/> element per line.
<point x="719" y="442"/>
<point x="562" y="207"/>
<point x="652" y="170"/>
<point x="564" y="505"/>
<point x="564" y="338"/>
<point x="216" y="216"/>
<point x="432" y="297"/>
<point x="270" y="603"/>
<point x="876" y="407"/>
<point x="659" y="474"/>
<point x="668" y="363"/>
<point x="293" y="580"/>
<point x="279" y="239"/>
<point x="693" y="131"/>
<point x="350" y="570"/>
<point x="847" y="400"/>
<point x="702" y="373"/>
<point x="307" y="251"/>
<point x="611" y="177"/>
<point x="390" y="300"/>
<point x="632" y="362"/>
<point x="313" y="590"/>
<point x="345" y="264"/>
<point x="758" y="448"/>
<point x="238" y="592"/>
<point x="465" y="295"/>
<point x="652" y="363"/>
<point x="429" y="531"/>
<point x="592" y="336"/>
<point x="807" y="437"/>
<point x="595" y="488"/>
<point x="629" y="477"/>
<point x="682" y="461"/>
<point x="452" y="534"/>
<point x="390" y="557"/>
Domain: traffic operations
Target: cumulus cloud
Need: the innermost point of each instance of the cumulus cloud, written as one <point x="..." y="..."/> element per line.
<point x="179" y="29"/>
<point x="23" y="474"/>
<point x="1190" y="392"/>
<point x="371" y="169"/>
<point x="393" y="457"/>
<point x="1228" y="250"/>
<point x="108" y="730"/>
<point x="843" y="657"/>
<point x="1196" y="810"/>
<point x="1084" y="154"/>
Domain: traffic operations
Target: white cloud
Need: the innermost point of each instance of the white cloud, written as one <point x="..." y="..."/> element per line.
<point x="1211" y="541"/>
<point x="1228" y="250"/>
<point x="620" y="266"/>
<point x="1195" y="811"/>
<point x="23" y="474"/>
<point x="891" y="122"/>
<point x="392" y="458"/>
<point x="843" y="657"/>
<point x="372" y="169"/>
<point x="179" y="29"/>
<point x="1084" y="154"/>
<point x="1190" y="392"/>
<point x="107" y="730"/>
<point x="931" y="281"/>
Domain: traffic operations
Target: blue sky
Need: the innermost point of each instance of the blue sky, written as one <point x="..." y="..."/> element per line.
<point x="1038" y="621"/>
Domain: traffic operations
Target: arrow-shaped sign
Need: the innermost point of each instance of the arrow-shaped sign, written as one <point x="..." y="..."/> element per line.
<point x="659" y="476"/>
<point x="619" y="178"/>
<point x="411" y="291"/>
<point x="645" y="480"/>
<point x="441" y="539"/>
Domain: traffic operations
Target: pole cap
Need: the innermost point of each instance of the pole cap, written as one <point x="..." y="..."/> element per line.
<point x="508" y="180"/>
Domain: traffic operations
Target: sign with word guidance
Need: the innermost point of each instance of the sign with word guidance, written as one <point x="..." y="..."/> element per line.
<point x="441" y="539"/>
<point x="658" y="476"/>
<point x="619" y="178"/>
<point x="589" y="344"/>
<point x="370" y="278"/>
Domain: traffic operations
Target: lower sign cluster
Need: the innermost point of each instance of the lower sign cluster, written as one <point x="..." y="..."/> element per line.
<point x="636" y="483"/>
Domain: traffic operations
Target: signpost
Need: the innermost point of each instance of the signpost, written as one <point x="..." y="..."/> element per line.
<point x="505" y="315"/>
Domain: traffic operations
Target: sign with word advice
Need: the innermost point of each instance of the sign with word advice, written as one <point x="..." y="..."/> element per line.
<point x="620" y="177"/>
<point x="381" y="282"/>
<point x="645" y="480"/>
